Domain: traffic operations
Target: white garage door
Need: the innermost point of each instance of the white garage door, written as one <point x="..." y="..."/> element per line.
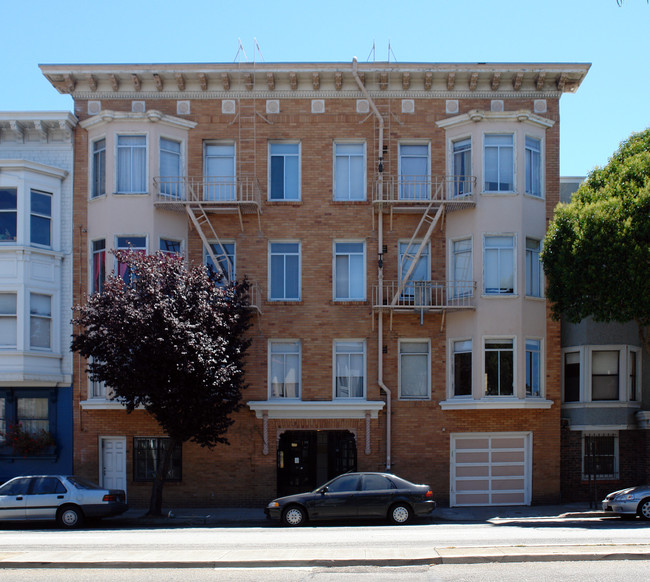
<point x="491" y="469"/>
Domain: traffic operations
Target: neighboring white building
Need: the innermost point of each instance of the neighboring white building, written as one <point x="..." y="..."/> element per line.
<point x="36" y="167"/>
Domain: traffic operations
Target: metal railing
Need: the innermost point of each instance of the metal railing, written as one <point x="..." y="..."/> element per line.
<point x="423" y="189"/>
<point x="425" y="295"/>
<point x="215" y="190"/>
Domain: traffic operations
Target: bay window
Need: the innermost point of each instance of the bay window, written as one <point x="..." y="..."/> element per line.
<point x="498" y="163"/>
<point x="499" y="367"/>
<point x="8" y="214"/>
<point x="40" y="321"/>
<point x="131" y="164"/>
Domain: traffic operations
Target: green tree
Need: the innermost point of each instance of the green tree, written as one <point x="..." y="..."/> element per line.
<point x="171" y="341"/>
<point x="596" y="253"/>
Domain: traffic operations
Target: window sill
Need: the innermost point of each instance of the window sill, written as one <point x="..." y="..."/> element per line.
<point x="283" y="302"/>
<point x="499" y="296"/>
<point x="540" y="198"/>
<point x="493" y="403"/>
<point x="602" y="404"/>
<point x="131" y="194"/>
<point x="537" y="298"/>
<point x="360" y="202"/>
<point x="99" y="404"/>
<point x="321" y="409"/>
<point x="277" y="202"/>
<point x="356" y="302"/>
<point x="509" y="193"/>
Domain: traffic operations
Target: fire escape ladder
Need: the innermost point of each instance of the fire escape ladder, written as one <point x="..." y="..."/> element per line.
<point x="206" y="232"/>
<point x="430" y="219"/>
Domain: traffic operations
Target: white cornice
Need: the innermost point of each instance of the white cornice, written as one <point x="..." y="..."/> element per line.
<point x="496" y="404"/>
<point x="151" y="116"/>
<point x="27" y="166"/>
<point x="477" y="115"/>
<point x="332" y="409"/>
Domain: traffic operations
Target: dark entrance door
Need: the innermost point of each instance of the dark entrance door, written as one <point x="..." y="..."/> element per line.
<point x="308" y="458"/>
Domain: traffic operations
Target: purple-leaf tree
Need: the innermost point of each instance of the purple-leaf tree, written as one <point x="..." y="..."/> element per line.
<point x="170" y="340"/>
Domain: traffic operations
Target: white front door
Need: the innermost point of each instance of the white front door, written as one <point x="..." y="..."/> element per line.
<point x="112" y="472"/>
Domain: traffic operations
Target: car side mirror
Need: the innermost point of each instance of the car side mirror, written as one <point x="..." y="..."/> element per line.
<point x="323" y="490"/>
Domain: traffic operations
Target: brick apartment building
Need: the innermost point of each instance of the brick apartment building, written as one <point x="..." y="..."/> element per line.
<point x="389" y="216"/>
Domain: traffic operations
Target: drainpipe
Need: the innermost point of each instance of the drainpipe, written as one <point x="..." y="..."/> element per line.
<point x="380" y="265"/>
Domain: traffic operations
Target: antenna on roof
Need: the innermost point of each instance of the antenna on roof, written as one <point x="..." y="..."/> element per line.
<point x="372" y="52"/>
<point x="259" y="50"/>
<point x="240" y="50"/>
<point x="390" y="52"/>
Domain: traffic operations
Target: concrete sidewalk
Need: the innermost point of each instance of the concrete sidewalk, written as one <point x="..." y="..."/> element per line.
<point x="397" y="555"/>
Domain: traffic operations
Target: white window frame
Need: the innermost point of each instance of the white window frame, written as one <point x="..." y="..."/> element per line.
<point x="411" y="290"/>
<point x="621" y="372"/>
<point x="462" y="182"/>
<point x="270" y="270"/>
<point x="46" y="319"/>
<point x="452" y="367"/>
<point x="350" y="270"/>
<point x="14" y="212"/>
<point x="540" y="379"/>
<point x="131" y="189"/>
<point x="513" y="343"/>
<point x="337" y="350"/>
<point x="637" y="372"/>
<point x="422" y="191"/>
<point x="47" y="217"/>
<point x="117" y="247"/>
<point x="499" y="250"/>
<point x="173" y="240"/>
<point x="580" y="350"/>
<point x="298" y="352"/>
<point x="7" y="315"/>
<point x="284" y="155"/>
<point x="102" y="276"/>
<point x="604" y="476"/>
<point x="98" y="168"/>
<point x="167" y="187"/>
<point x="227" y="248"/>
<point x="221" y="187"/>
<point x="350" y="195"/>
<point x="533" y="175"/>
<point x="534" y="273"/>
<point x="460" y="288"/>
<point x="499" y="149"/>
<point x="420" y="341"/>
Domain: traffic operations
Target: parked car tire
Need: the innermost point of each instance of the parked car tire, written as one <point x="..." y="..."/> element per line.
<point x="69" y="517"/>
<point x="294" y="516"/>
<point x="399" y="513"/>
<point x="643" y="511"/>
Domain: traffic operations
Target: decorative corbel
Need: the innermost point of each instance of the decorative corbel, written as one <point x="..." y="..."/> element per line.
<point x="539" y="81"/>
<point x="136" y="81"/>
<point x="293" y="81"/>
<point x="249" y="81"/>
<point x="428" y="81"/>
<point x="115" y="82"/>
<point x="203" y="81"/>
<point x="92" y="83"/>
<point x="180" y="81"/>
<point x="338" y="81"/>
<point x="315" y="81"/>
<point x="406" y="81"/>
<point x="270" y="81"/>
<point x="17" y="128"/>
<point x="516" y="81"/>
<point x="473" y="81"/>
<point x="40" y="129"/>
<point x="157" y="79"/>
<point x="561" y="80"/>
<point x="69" y="83"/>
<point x="451" y="81"/>
<point x="225" y="81"/>
<point x="496" y="81"/>
<point x="383" y="81"/>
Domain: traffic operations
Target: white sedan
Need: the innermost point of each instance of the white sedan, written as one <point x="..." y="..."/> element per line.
<point x="67" y="499"/>
<point x="631" y="501"/>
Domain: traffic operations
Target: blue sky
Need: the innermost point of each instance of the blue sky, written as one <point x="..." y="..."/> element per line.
<point x="611" y="103"/>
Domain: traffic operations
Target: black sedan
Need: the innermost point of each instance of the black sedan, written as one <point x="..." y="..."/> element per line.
<point x="358" y="496"/>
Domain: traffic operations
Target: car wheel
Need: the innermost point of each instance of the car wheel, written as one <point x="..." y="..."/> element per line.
<point x="69" y="517"/>
<point x="643" y="511"/>
<point x="294" y="516"/>
<point x="399" y="513"/>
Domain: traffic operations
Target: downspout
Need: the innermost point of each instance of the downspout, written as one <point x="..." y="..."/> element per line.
<point x="380" y="265"/>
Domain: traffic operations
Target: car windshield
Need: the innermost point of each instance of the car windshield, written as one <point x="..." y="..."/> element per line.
<point x="80" y="483"/>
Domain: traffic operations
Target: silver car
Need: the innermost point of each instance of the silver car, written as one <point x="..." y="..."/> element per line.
<point x="631" y="501"/>
<point x="67" y="499"/>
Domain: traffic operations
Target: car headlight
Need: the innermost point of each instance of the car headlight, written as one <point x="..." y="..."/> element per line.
<point x="273" y="504"/>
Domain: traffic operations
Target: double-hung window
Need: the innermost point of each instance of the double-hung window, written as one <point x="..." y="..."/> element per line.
<point x="414" y="171"/>
<point x="350" y="368"/>
<point x="533" y="268"/>
<point x="170" y="168"/>
<point x="33" y="414"/>
<point x="533" y="367"/>
<point x="284" y="271"/>
<point x="40" y="220"/>
<point x="533" y="157"/>
<point x="225" y="255"/>
<point x="462" y="284"/>
<point x="284" y="369"/>
<point x="634" y="374"/>
<point x="414" y="369"/>
<point x="499" y="166"/>
<point x="462" y="167"/>
<point x="40" y="321"/>
<point x="605" y="374"/>
<point x="8" y="320"/>
<point x="99" y="169"/>
<point x="8" y="214"/>
<point x="284" y="171"/>
<point x="499" y="264"/>
<point x="462" y="367"/>
<point x="349" y="271"/>
<point x="417" y="290"/>
<point x="572" y="377"/>
<point x="131" y="164"/>
<point x="219" y="172"/>
<point x="170" y="246"/>
<point x="99" y="265"/>
<point x="349" y="171"/>
<point x="129" y="243"/>
<point x="499" y="367"/>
